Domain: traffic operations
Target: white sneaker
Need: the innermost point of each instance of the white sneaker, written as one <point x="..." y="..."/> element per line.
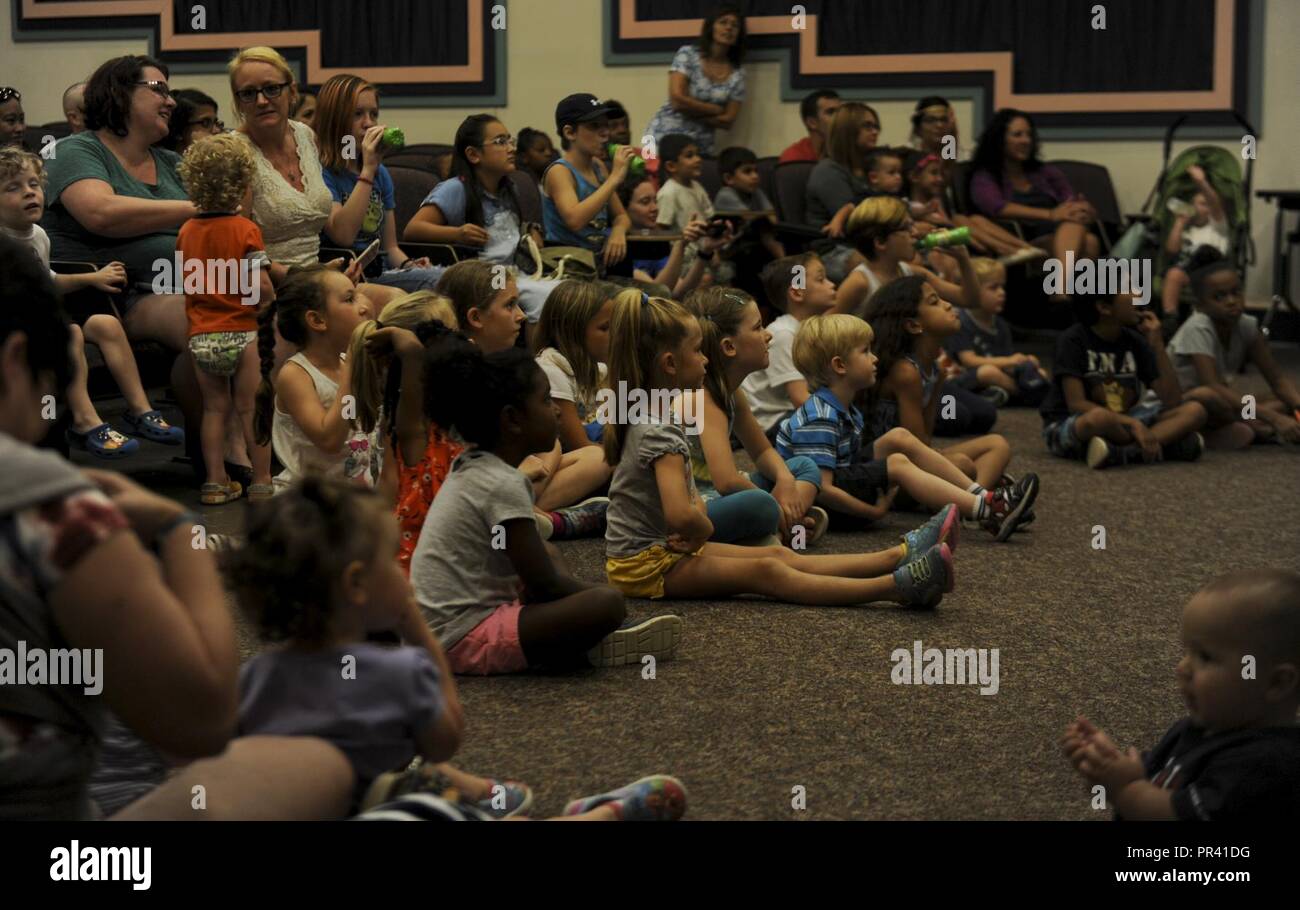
<point x="657" y="636"/>
<point x="1027" y="254"/>
<point x="545" y="527"/>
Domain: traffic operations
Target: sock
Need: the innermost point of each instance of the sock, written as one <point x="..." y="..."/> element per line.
<point x="983" y="506"/>
<point x="976" y="489"/>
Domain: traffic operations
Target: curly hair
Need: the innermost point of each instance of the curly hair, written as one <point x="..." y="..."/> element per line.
<point x="887" y="312"/>
<point x="13" y="161"/>
<point x="990" y="153"/>
<point x="286" y="576"/>
<point x="216" y="172"/>
<point x="484" y="385"/>
<point x="109" y="90"/>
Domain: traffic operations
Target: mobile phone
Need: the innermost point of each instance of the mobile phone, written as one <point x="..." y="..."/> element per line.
<point x="369" y="254"/>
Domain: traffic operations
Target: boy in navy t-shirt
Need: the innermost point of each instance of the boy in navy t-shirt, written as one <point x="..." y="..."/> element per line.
<point x="990" y="363"/>
<point x="1115" y="396"/>
<point x="1236" y="756"/>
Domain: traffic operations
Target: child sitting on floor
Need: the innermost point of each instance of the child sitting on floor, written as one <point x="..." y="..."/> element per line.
<point x="983" y="346"/>
<point x="858" y="483"/>
<point x="796" y="287"/>
<point x="1115" y="396"/>
<point x="1214" y="344"/>
<point x="1236" y="756"/>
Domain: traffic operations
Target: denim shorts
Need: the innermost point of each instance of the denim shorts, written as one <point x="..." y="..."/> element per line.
<point x="1062" y="441"/>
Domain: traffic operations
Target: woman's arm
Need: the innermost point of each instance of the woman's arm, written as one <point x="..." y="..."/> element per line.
<point x="102" y="211"/>
<point x="683" y="102"/>
<point x="728" y="116"/>
<point x="295" y="395"/>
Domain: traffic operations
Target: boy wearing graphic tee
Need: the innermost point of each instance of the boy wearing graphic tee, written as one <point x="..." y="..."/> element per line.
<point x="1115" y="396"/>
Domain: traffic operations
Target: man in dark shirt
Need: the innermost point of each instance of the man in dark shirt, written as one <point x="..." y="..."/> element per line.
<point x="1115" y="396"/>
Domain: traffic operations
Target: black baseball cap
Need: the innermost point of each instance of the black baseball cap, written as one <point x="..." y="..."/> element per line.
<point x="579" y="108"/>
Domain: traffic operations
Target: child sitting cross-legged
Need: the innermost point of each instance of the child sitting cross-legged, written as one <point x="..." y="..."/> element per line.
<point x="1236" y="756"/>
<point x="657" y="539"/>
<point x="983" y="346"/>
<point x="1115" y="396"/>
<point x="858" y="484"/>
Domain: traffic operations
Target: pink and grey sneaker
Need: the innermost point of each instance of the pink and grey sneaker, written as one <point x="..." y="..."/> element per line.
<point x="586" y="519"/>
<point x="923" y="582"/>
<point x="943" y="527"/>
<point x="657" y="798"/>
<point x="506" y="799"/>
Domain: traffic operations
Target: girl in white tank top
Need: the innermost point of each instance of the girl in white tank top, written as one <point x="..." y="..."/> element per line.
<point x="306" y="412"/>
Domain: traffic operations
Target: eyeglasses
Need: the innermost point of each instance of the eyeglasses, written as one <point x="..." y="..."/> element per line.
<point x="873" y="127"/>
<point x="506" y="140"/>
<point x="249" y="95"/>
<point x="159" y="88"/>
<point x="211" y="124"/>
<point x="7" y="94"/>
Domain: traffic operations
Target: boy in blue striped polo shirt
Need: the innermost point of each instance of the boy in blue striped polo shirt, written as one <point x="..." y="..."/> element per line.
<point x="859" y="482"/>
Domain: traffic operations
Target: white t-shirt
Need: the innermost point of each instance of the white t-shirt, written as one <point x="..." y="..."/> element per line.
<point x="765" y="389"/>
<point x="36" y="238"/>
<point x="677" y="203"/>
<point x="1212" y="233"/>
<point x="563" y="388"/>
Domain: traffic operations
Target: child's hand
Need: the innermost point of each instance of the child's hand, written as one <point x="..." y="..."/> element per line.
<point x="1146" y="441"/>
<point x="1287" y="428"/>
<point x="615" y="248"/>
<point x="1103" y="763"/>
<point x="1149" y="326"/>
<point x="355" y="271"/>
<point x="399" y="342"/>
<point x="623" y="156"/>
<point x="1196" y="173"/>
<point x="471" y="235"/>
<point x="880" y="508"/>
<point x="422" y="263"/>
<point x="371" y="151"/>
<point x="111" y="278"/>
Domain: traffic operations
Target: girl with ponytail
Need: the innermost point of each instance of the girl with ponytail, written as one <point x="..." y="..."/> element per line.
<point x="305" y="410"/>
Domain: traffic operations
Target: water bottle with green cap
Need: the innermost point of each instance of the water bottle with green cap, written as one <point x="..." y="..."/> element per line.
<point x="940" y="239"/>
<point x="393" y="138"/>
<point x="635" y="167"/>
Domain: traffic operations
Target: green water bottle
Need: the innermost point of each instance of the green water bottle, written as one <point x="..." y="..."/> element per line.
<point x="393" y="138"/>
<point x="636" y="167"/>
<point x="939" y="239"/>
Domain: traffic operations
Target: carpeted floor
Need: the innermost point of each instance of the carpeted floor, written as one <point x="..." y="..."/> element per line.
<point x="766" y="697"/>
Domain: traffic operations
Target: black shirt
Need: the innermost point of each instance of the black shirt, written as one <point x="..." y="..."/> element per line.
<point x="1240" y="775"/>
<point x="1115" y="374"/>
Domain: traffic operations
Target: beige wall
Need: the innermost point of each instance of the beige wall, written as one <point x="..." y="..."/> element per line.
<point x="552" y="55"/>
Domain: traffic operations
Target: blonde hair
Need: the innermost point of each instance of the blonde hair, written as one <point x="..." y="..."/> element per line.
<point x="369" y="376"/>
<point x="822" y="338"/>
<point x="13" y="161"/>
<point x="641" y="329"/>
<point x="261" y="54"/>
<point x="987" y="269"/>
<point x="471" y="284"/>
<point x="875" y="218"/>
<point x="570" y="308"/>
<point x="216" y="172"/>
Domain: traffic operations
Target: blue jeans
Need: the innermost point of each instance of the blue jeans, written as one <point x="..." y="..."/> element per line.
<point x="749" y="514"/>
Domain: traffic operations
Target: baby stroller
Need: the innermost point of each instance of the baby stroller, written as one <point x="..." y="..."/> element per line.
<point x="1223" y="171"/>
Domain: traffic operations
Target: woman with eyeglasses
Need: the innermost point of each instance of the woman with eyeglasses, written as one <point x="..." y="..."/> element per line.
<point x="13" y="121"/>
<point x="195" y="118"/>
<point x="114" y="195"/>
<point x="839" y="182"/>
<point x="349" y="134"/>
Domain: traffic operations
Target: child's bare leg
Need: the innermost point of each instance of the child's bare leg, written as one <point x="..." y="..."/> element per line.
<point x="1175" y="423"/>
<point x="847" y="565"/>
<point x="581" y="473"/>
<point x="991" y="455"/>
<point x="84" y="415"/>
<point x="471" y="788"/>
<point x="108" y="335"/>
<point x="1104" y="423"/>
<point x="247" y="378"/>
<point x="1175" y="280"/>
<point x="931" y="491"/>
<point x="988" y="375"/>
<point x="217" y="405"/>
<point x="929" y="460"/>
<point x="706" y="576"/>
<point x="559" y="633"/>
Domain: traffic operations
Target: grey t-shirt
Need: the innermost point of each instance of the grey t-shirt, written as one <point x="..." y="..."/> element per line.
<point x="635" y="520"/>
<point x="459" y="576"/>
<point x="730" y="200"/>
<point x="831" y="186"/>
<point x="371" y="707"/>
<point x="1198" y="336"/>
